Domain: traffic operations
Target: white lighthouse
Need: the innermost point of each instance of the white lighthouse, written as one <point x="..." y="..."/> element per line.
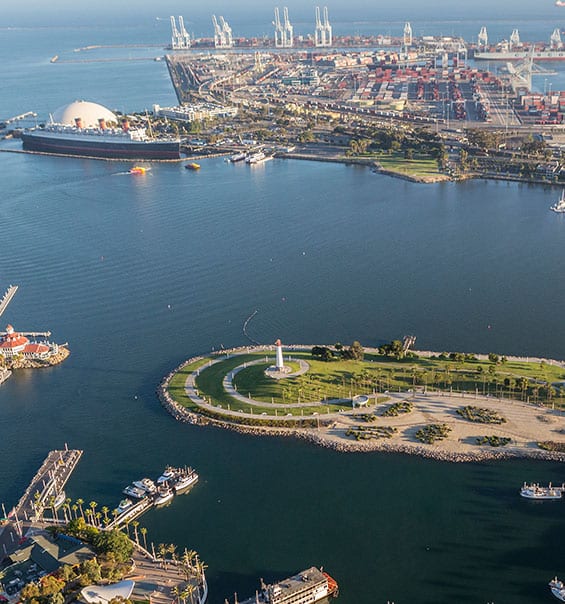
<point x="279" y="363"/>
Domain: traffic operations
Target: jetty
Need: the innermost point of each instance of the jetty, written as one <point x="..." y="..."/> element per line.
<point x="48" y="482"/>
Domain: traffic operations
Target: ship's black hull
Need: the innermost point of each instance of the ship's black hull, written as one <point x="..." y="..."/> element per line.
<point x="153" y="149"/>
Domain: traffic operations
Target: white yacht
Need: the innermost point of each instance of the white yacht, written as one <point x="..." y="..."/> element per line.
<point x="183" y="481"/>
<point x="559" y="205"/>
<point x="167" y="475"/>
<point x="133" y="491"/>
<point x="146" y="484"/>
<point x="164" y="495"/>
<point x="557" y="589"/>
<point x="534" y="491"/>
<point x="125" y="504"/>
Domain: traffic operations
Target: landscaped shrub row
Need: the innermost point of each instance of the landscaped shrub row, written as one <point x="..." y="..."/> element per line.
<point x="481" y="415"/>
<point x="493" y="441"/>
<point x="432" y="433"/>
<point x="370" y="432"/>
<point x="398" y="409"/>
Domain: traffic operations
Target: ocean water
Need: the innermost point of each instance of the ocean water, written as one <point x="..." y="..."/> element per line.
<point x="139" y="273"/>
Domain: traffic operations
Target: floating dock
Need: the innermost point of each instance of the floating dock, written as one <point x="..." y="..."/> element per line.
<point x="49" y="481"/>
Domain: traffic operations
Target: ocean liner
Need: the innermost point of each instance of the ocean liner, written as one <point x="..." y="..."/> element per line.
<point x="88" y="129"/>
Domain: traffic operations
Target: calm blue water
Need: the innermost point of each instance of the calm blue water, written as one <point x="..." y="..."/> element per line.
<point x="140" y="273"/>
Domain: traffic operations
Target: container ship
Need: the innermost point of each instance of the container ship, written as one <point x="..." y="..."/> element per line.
<point x="519" y="55"/>
<point x="88" y="129"/>
<point x="307" y="587"/>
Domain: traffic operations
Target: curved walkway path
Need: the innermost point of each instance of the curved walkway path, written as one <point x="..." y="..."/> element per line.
<point x="194" y="395"/>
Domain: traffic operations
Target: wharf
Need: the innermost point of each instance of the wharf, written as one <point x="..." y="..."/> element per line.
<point x="4" y="375"/>
<point x="49" y="481"/>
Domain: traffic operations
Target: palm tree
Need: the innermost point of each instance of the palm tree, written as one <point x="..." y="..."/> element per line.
<point x="143" y="532"/>
<point x="161" y="551"/>
<point x="135" y="524"/>
<point x="79" y="503"/>
<point x="105" y="511"/>
<point x="171" y="549"/>
<point x="74" y="507"/>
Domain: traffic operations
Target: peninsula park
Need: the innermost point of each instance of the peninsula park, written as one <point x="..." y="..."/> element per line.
<point x="459" y="405"/>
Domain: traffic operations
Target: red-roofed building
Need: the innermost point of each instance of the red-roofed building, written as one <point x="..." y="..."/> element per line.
<point x="13" y="343"/>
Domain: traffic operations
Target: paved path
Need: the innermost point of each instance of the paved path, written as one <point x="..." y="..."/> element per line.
<point x="194" y="395"/>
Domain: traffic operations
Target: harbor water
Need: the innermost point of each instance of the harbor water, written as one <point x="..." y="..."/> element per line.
<point x="138" y="273"/>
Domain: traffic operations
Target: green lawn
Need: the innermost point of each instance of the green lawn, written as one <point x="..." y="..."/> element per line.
<point x="342" y="379"/>
<point x="422" y="166"/>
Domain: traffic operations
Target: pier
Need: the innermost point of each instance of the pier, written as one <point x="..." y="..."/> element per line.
<point x="49" y="481"/>
<point x="130" y="514"/>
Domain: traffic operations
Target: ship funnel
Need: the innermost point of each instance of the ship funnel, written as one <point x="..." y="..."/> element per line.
<point x="78" y="122"/>
<point x="102" y="123"/>
<point x="125" y="125"/>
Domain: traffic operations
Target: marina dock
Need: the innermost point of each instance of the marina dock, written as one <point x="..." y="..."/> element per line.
<point x="48" y="482"/>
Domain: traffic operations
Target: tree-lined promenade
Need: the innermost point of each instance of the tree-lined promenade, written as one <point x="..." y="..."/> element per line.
<point x="323" y="403"/>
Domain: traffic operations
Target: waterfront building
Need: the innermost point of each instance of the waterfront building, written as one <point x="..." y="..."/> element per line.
<point x="13" y="343"/>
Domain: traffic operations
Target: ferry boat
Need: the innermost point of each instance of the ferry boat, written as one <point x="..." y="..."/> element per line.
<point x="133" y="491"/>
<point x="559" y="205"/>
<point x="534" y="491"/>
<point x="192" y="166"/>
<point x="557" y="589"/>
<point x="257" y="158"/>
<point x="183" y="481"/>
<point x="306" y="587"/>
<point x="164" y="495"/>
<point x="237" y="157"/>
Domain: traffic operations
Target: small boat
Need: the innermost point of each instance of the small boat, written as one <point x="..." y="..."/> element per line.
<point x="59" y="500"/>
<point x="138" y="170"/>
<point x="257" y="158"/>
<point x="534" y="491"/>
<point x="557" y="589"/>
<point x="125" y="504"/>
<point x="133" y="491"/>
<point x="237" y="157"/>
<point x="164" y="495"/>
<point x="167" y="475"/>
<point x="559" y="205"/>
<point x="145" y="484"/>
<point x="185" y="480"/>
<point x="192" y="166"/>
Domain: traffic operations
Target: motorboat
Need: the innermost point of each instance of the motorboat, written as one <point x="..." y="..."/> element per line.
<point x="192" y="166"/>
<point x="559" y="205"/>
<point x="125" y="504"/>
<point x="183" y="481"/>
<point x="557" y="589"/>
<point x="167" y="475"/>
<point x="237" y="157"/>
<point x="133" y="491"/>
<point x="145" y="484"/>
<point x="59" y="500"/>
<point x="164" y="495"/>
<point x="535" y="491"/>
<point x="138" y="170"/>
